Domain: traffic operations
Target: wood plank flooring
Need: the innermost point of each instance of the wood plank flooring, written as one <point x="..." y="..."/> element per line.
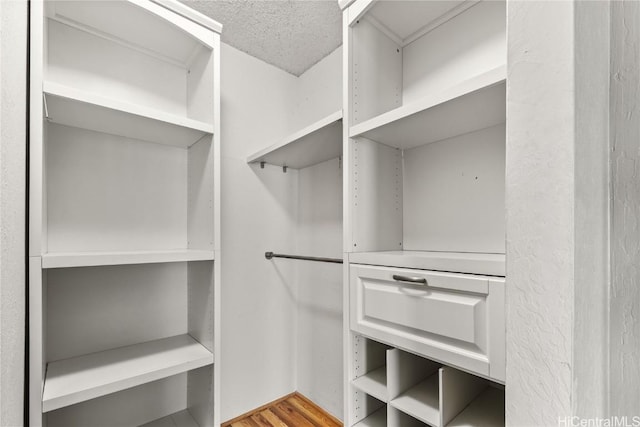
<point x="293" y="410"/>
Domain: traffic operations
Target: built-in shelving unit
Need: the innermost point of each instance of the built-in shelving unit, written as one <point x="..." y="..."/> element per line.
<point x="424" y="157"/>
<point x="314" y="144"/>
<point x="124" y="214"/>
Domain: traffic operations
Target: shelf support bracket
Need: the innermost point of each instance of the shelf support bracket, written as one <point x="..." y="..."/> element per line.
<point x="262" y="165"/>
<point x="284" y="169"/>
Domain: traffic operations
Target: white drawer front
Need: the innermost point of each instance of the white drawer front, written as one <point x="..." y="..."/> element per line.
<point x="449" y="318"/>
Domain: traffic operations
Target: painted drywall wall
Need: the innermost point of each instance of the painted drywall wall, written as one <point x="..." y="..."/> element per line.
<point x="13" y="62"/>
<point x="278" y="332"/>
<point x="258" y="215"/>
<point x="624" y="351"/>
<point x="591" y="32"/>
<point x="539" y="212"/>
<point x="319" y="233"/>
<point x="557" y="211"/>
<point x="319" y="323"/>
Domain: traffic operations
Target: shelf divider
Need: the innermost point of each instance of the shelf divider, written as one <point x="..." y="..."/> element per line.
<point x="77" y="379"/>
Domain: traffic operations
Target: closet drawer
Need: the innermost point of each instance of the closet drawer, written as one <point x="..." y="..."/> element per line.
<point x="457" y="319"/>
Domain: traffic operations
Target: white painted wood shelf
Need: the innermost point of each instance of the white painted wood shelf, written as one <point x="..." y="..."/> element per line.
<point x="377" y="419"/>
<point x="421" y="401"/>
<point x="75" y="380"/>
<point x="373" y="383"/>
<point x="485" y="410"/>
<point x="457" y="262"/>
<point x="314" y="144"/>
<point x="77" y="108"/>
<point x="179" y="419"/>
<point x="474" y="104"/>
<point x="88" y="259"/>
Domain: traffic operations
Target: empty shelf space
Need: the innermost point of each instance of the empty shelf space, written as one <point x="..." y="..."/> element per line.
<point x="486" y="410"/>
<point x="373" y="383"/>
<point x="81" y="378"/>
<point x="314" y="144"/>
<point x="421" y="401"/>
<point x="475" y="104"/>
<point x="77" y="108"/>
<point x="377" y="419"/>
<point x="179" y="419"/>
<point x="458" y="262"/>
<point x="87" y="259"/>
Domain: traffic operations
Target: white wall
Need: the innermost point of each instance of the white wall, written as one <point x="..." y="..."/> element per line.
<point x="13" y="50"/>
<point x="539" y="209"/>
<point x="263" y="313"/>
<point x="624" y="311"/>
<point x="258" y="215"/>
<point x="319" y="233"/>
<point x="557" y="211"/>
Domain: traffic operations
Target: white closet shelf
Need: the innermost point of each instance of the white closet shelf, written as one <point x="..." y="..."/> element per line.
<point x="376" y="419"/>
<point x="474" y="104"/>
<point x="422" y="401"/>
<point x="179" y="419"/>
<point x="78" y="379"/>
<point x="373" y="383"/>
<point x="457" y="262"/>
<point x="73" y="107"/>
<point x="485" y="410"/>
<point x="88" y="259"/>
<point x="314" y="144"/>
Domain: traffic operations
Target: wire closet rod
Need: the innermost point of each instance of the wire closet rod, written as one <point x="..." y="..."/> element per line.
<point x="270" y="255"/>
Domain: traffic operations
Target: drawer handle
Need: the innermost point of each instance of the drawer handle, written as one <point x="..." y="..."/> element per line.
<point x="421" y="280"/>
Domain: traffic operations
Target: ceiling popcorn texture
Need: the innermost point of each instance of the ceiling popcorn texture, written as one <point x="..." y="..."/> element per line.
<point x="291" y="34"/>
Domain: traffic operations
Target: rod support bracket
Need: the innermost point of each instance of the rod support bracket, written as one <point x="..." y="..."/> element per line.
<point x="262" y="165"/>
<point x="284" y="169"/>
<point x="268" y="255"/>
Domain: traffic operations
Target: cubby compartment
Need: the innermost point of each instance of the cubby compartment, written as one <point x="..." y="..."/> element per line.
<point x="371" y="411"/>
<point x="137" y="54"/>
<point x="112" y="199"/>
<point x="413" y="387"/>
<point x="422" y="392"/>
<point x="412" y="58"/>
<point x="110" y="329"/>
<point x="370" y="367"/>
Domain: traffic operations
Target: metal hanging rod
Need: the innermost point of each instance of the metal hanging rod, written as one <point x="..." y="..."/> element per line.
<point x="269" y="255"/>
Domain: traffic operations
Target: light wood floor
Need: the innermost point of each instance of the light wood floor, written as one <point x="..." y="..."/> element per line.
<point x="293" y="410"/>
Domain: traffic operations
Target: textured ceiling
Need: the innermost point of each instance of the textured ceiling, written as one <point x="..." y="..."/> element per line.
<point x="290" y="34"/>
